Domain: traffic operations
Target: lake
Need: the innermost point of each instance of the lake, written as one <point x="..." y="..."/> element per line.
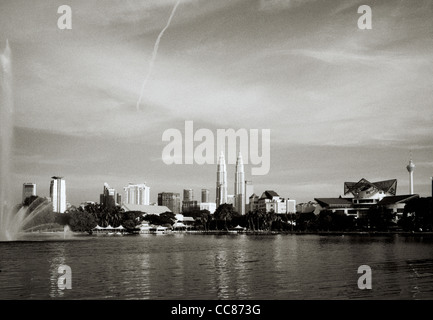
<point x="209" y="267"/>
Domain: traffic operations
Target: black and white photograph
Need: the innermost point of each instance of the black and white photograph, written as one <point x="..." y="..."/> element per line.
<point x="228" y="151"/>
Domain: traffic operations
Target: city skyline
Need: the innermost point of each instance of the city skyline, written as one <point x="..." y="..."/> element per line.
<point x="341" y="103"/>
<point x="188" y="194"/>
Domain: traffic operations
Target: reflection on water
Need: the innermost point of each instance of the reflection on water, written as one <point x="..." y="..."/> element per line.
<point x="186" y="266"/>
<point x="222" y="275"/>
<point x="57" y="259"/>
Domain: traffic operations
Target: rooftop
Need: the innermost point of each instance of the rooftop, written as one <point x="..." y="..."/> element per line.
<point x="269" y="194"/>
<point x="149" y="209"/>
<point x="397" y="199"/>
<point x="387" y="186"/>
<point x="334" y="202"/>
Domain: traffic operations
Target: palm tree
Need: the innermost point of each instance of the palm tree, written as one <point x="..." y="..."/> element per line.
<point x="250" y="219"/>
<point x="259" y="215"/>
<point x="116" y="216"/>
<point x="205" y="217"/>
<point x="224" y="212"/>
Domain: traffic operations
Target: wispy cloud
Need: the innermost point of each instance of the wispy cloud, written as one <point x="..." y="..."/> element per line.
<point x="300" y="68"/>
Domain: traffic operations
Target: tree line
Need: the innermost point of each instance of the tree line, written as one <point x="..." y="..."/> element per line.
<point x="417" y="216"/>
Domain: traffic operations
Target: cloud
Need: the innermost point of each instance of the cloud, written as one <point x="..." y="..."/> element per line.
<point x="281" y="4"/>
<point x="302" y="69"/>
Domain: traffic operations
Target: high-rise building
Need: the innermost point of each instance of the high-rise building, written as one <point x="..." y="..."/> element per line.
<point x="239" y="200"/>
<point x="108" y="197"/>
<point x="249" y="191"/>
<point x="230" y="199"/>
<point x="204" y="195"/>
<point x="221" y="184"/>
<point x="190" y="205"/>
<point x="188" y="194"/>
<point x="170" y="200"/>
<point x="29" y="189"/>
<point x="410" y="168"/>
<point x="138" y="194"/>
<point x="58" y="194"/>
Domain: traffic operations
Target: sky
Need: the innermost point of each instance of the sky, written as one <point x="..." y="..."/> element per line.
<point x="341" y="103"/>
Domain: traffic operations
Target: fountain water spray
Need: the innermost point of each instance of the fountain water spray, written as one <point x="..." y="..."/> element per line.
<point x="11" y="222"/>
<point x="6" y="131"/>
<point x="155" y="52"/>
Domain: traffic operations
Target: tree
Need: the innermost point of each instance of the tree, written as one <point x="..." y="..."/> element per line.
<point x="269" y="218"/>
<point x="307" y="221"/>
<point x="205" y="218"/>
<point x="131" y="219"/>
<point x="258" y="215"/>
<point x="80" y="220"/>
<point x="250" y="220"/>
<point x="418" y="215"/>
<point x="324" y="220"/>
<point x="224" y="212"/>
<point x="380" y="218"/>
<point x="29" y="200"/>
<point x="239" y="219"/>
<point x="166" y="218"/>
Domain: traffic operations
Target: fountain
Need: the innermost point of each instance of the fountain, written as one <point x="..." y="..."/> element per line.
<point x="11" y="220"/>
<point x="6" y="131"/>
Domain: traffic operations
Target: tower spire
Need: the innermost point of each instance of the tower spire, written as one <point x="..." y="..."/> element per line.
<point x="240" y="186"/>
<point x="410" y="168"/>
<point x="221" y="183"/>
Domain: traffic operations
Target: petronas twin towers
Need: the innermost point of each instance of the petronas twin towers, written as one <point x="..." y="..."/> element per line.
<point x="221" y="185"/>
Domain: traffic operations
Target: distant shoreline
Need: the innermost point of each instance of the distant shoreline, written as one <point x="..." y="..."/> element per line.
<point x="260" y="233"/>
<point x="321" y="233"/>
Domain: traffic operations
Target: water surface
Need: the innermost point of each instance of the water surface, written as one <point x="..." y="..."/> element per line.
<point x="192" y="266"/>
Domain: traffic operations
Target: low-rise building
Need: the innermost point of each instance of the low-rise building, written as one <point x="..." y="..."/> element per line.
<point x="271" y="201"/>
<point x="147" y="209"/>
<point x="365" y="195"/>
<point x="209" y="206"/>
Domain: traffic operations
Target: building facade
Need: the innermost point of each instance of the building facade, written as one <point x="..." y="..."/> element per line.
<point x="271" y="201"/>
<point x="204" y="195"/>
<point x="108" y="197"/>
<point x="239" y="196"/>
<point x="188" y="194"/>
<point x="58" y="194"/>
<point x="29" y="190"/>
<point x="230" y="199"/>
<point x="171" y="200"/>
<point x="249" y="191"/>
<point x="221" y="184"/>
<point x="138" y="194"/>
<point x="253" y="203"/>
<point x="362" y="196"/>
<point x="189" y="206"/>
<point x="291" y="205"/>
<point x="209" y="206"/>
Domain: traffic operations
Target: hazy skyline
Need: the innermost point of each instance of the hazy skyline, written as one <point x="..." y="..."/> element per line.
<point x="342" y="103"/>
